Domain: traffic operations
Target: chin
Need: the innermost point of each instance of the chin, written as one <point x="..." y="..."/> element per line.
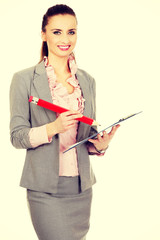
<point x="64" y="54"/>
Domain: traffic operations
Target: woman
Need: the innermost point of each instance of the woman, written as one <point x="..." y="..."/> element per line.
<point x="59" y="186"/>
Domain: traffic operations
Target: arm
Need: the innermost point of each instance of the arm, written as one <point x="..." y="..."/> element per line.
<point x="22" y="135"/>
<point x="90" y="146"/>
<point x="95" y="146"/>
<point x="19" y="113"/>
<point x="38" y="136"/>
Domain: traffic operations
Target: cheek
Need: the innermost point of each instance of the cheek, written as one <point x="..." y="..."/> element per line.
<point x="74" y="40"/>
<point x="52" y="39"/>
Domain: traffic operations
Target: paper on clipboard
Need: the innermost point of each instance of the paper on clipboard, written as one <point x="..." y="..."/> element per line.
<point x="94" y="135"/>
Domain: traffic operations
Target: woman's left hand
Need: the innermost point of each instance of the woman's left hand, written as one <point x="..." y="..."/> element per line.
<point x="102" y="142"/>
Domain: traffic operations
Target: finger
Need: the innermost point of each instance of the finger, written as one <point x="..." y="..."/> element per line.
<point x="117" y="126"/>
<point x="99" y="137"/>
<point x="94" y="141"/>
<point x="72" y="112"/>
<point x="75" y="114"/>
<point x="113" y="130"/>
<point x="69" y="126"/>
<point x="73" y="117"/>
<point x="69" y="112"/>
<point x="91" y="140"/>
<point x="105" y="135"/>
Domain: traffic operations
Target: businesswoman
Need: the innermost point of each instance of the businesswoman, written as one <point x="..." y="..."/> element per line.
<point x="59" y="185"/>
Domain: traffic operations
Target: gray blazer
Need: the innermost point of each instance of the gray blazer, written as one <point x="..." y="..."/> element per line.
<point x="41" y="168"/>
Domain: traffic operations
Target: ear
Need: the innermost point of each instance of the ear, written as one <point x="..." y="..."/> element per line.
<point x="43" y="36"/>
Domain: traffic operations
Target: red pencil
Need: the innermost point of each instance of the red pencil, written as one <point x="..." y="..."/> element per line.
<point x="58" y="109"/>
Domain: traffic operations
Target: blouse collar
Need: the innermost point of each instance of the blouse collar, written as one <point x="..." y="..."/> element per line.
<point x="71" y="62"/>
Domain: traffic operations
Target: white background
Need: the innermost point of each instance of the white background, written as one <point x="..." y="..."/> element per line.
<point x="118" y="44"/>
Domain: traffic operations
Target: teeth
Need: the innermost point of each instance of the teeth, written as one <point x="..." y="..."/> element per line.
<point x="63" y="47"/>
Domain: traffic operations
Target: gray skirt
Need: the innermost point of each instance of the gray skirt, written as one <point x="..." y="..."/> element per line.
<point x="64" y="215"/>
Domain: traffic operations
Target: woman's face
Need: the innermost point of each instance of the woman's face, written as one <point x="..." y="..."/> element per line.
<point x="61" y="35"/>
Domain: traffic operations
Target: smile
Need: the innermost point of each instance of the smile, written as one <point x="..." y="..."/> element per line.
<point x="64" y="47"/>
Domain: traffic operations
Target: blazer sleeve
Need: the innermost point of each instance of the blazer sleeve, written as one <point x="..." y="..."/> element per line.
<point x="93" y="130"/>
<point x="19" y="112"/>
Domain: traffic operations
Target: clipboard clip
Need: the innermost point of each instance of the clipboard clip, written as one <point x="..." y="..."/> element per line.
<point x="123" y="119"/>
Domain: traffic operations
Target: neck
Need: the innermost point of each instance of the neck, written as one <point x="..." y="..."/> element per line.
<point x="59" y="64"/>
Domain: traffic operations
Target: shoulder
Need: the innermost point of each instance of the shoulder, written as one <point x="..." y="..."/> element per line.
<point x="85" y="76"/>
<point x="21" y="80"/>
<point x="28" y="74"/>
<point x="83" y="73"/>
<point x="25" y="72"/>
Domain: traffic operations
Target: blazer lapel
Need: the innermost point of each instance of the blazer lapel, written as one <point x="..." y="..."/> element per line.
<point x="42" y="87"/>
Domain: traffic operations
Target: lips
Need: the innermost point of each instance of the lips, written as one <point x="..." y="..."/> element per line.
<point x="64" y="47"/>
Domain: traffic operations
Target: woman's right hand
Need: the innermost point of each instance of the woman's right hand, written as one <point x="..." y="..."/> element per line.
<point x="64" y="122"/>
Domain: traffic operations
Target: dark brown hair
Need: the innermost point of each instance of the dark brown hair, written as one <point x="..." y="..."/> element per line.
<point x="53" y="11"/>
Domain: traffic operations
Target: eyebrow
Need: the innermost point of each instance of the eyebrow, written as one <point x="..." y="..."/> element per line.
<point x="57" y="29"/>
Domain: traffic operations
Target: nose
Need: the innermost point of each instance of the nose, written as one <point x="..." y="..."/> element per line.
<point x="65" y="38"/>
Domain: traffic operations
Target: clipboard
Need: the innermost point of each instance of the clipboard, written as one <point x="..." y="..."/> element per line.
<point x="95" y="134"/>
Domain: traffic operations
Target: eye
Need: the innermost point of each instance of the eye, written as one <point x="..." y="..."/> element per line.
<point x="57" y="32"/>
<point x="71" y="32"/>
